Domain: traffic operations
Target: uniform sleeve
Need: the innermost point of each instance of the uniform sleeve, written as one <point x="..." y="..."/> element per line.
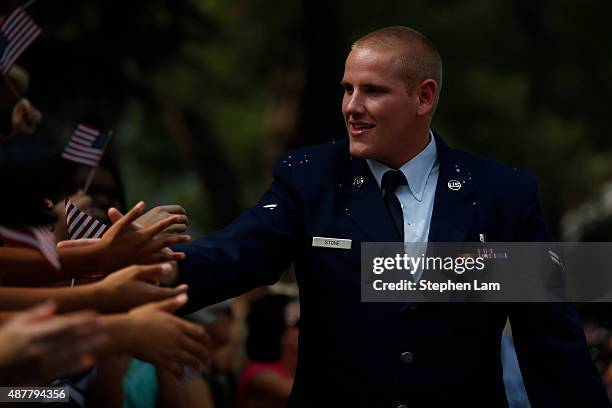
<point x="252" y="251"/>
<point x="555" y="363"/>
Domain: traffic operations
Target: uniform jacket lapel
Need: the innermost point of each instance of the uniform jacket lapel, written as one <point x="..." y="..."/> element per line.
<point x="454" y="210"/>
<point x="365" y="205"/>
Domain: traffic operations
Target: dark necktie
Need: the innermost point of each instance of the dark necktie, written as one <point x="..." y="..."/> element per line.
<point x="391" y="179"/>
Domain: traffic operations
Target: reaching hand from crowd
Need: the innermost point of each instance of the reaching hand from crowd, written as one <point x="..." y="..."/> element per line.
<point x="128" y="245"/>
<point x="123" y="244"/>
<point x="25" y="118"/>
<point x="38" y="346"/>
<point x="118" y="292"/>
<point x="151" y="333"/>
<point x="153" y="216"/>
<point x="134" y="286"/>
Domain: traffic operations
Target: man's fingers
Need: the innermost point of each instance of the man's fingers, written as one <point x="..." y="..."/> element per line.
<point x="175" y="229"/>
<point x="161" y="225"/>
<point x="173" y="209"/>
<point x="180" y="225"/>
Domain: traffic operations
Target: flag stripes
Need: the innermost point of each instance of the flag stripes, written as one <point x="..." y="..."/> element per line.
<point x="81" y="225"/>
<point x="16" y="33"/>
<point x="39" y="238"/>
<point x="86" y="146"/>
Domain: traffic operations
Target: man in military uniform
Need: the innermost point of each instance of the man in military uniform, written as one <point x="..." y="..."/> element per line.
<point x="393" y="179"/>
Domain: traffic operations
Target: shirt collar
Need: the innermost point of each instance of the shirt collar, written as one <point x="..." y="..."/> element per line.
<point x="416" y="169"/>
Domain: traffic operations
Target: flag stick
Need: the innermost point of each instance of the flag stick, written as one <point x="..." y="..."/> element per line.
<point x="11" y="86"/>
<point x="28" y="4"/>
<point x="92" y="172"/>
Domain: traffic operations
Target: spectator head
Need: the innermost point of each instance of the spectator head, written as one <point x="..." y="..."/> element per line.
<point x="29" y="174"/>
<point x="106" y="189"/>
<point x="272" y="322"/>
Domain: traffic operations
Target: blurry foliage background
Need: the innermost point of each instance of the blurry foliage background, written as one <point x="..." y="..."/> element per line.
<point x="204" y="94"/>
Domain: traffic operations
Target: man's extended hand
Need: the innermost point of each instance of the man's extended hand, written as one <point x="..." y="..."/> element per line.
<point x="122" y="244"/>
<point x="157" y="214"/>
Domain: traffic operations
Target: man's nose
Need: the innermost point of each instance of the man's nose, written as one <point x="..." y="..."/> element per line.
<point x="353" y="104"/>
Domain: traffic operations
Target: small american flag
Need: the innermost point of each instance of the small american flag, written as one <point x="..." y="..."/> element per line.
<point x="81" y="225"/>
<point x="86" y="146"/>
<point x="39" y="238"/>
<point x="16" y="34"/>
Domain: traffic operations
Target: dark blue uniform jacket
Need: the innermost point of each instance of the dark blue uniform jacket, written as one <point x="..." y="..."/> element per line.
<point x="350" y="353"/>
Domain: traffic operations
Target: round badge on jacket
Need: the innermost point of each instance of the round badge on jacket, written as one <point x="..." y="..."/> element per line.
<point x="454" y="185"/>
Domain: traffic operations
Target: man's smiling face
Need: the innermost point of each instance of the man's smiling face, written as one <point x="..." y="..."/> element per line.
<point x="378" y="108"/>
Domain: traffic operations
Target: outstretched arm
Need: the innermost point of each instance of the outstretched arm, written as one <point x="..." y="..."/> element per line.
<point x="119" y="247"/>
<point x="118" y="292"/>
<point x="38" y="345"/>
<point x="252" y="251"/>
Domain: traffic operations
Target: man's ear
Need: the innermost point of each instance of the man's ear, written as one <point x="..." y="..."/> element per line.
<point x="426" y="92"/>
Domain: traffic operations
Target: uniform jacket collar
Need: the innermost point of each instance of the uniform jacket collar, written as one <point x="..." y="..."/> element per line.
<point x="453" y="212"/>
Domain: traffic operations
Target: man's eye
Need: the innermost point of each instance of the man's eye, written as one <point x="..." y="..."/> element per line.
<point x="373" y="90"/>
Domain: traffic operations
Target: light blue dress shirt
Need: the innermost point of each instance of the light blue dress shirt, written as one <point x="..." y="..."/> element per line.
<point x="417" y="198"/>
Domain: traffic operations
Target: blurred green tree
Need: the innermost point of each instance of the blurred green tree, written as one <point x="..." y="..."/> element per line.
<point x="205" y="93"/>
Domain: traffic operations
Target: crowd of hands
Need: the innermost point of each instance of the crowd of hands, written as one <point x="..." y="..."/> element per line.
<point x="52" y="332"/>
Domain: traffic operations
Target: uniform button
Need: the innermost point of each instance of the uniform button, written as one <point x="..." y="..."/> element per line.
<point x="407" y="357"/>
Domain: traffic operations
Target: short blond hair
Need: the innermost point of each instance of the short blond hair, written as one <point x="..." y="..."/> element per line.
<point x="418" y="59"/>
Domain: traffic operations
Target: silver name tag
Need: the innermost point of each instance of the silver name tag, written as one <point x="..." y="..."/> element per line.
<point x="331" y="243"/>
